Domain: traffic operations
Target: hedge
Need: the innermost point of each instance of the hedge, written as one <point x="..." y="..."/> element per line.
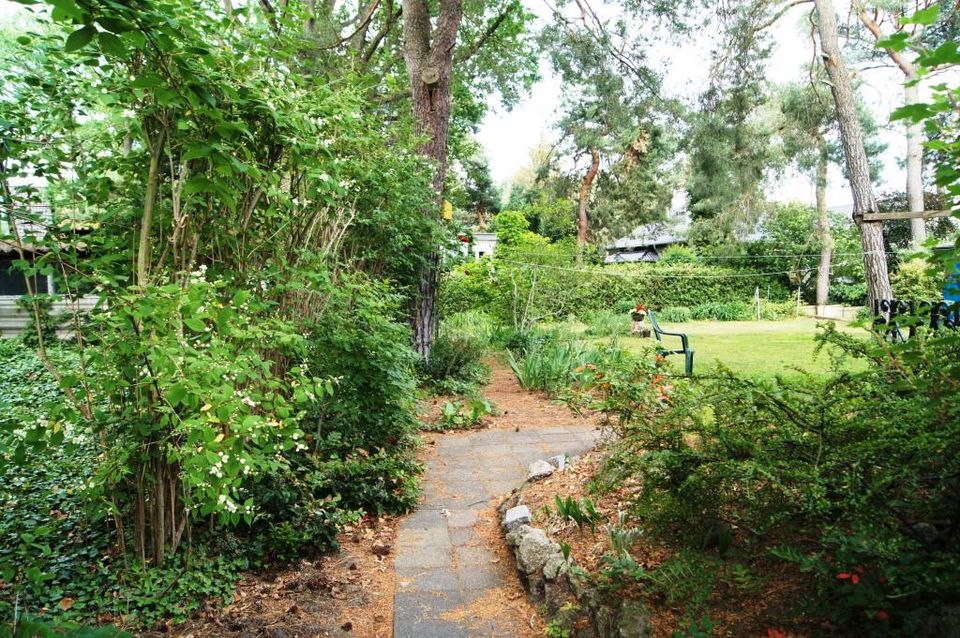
<point x="561" y="289"/>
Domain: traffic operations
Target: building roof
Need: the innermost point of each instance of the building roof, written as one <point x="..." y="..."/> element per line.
<point x="650" y="235"/>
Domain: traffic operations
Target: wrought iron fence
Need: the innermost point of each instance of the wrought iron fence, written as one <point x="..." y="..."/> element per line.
<point x="892" y="316"/>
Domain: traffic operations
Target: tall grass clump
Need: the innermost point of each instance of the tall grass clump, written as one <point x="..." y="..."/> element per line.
<point x="675" y="314"/>
<point x="606" y="323"/>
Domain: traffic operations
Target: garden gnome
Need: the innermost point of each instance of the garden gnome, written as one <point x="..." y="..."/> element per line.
<point x="638" y="314"/>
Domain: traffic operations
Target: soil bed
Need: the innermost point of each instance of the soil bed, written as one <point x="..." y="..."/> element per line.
<point x="759" y="608"/>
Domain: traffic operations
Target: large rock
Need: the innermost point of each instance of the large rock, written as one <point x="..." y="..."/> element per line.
<point x="515" y="517"/>
<point x="559" y="461"/>
<point x="633" y="621"/>
<point x="514" y="537"/>
<point x="534" y="550"/>
<point x="539" y="470"/>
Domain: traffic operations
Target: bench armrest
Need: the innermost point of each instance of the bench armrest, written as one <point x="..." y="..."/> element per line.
<point x="683" y="337"/>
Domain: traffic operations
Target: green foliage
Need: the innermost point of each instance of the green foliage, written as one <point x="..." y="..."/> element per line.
<point x="35" y="627"/>
<point x="358" y="341"/>
<point x="775" y="311"/>
<point x="675" y="314"/>
<point x="793" y="459"/>
<point x="582" y="512"/>
<point x="41" y="305"/>
<point x="548" y="366"/>
<point x="917" y="280"/>
<point x="456" y="363"/>
<point x="455" y="415"/>
<point x="722" y="311"/>
<point x="678" y="254"/>
<point x="605" y="323"/>
<point x="521" y="287"/>
<point x="510" y="226"/>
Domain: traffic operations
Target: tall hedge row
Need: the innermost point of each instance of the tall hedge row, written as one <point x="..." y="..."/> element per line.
<point x="507" y="288"/>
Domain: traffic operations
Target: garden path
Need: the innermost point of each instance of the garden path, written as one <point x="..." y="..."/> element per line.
<point x="453" y="576"/>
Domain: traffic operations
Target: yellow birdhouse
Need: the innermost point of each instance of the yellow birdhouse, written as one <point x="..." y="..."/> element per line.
<point x="446" y="212"/>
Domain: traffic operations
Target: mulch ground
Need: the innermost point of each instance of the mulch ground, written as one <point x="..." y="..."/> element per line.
<point x="346" y="594"/>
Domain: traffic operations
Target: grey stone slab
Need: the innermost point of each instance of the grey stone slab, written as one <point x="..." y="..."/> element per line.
<point x="502" y="488"/>
<point x="464" y="536"/>
<point x="412" y="560"/>
<point x="424" y="519"/>
<point x="462" y="518"/>
<point x="441" y="562"/>
<point x="430" y="580"/>
<point x="471" y="556"/>
<point x="478" y="578"/>
<point x="419" y="615"/>
<point x="433" y="537"/>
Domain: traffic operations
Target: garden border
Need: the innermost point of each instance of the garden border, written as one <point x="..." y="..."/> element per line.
<point x="571" y="605"/>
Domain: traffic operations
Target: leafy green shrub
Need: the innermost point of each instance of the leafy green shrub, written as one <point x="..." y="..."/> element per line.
<point x="510" y="225"/>
<point x="776" y="311"/>
<point x="917" y="280"/>
<point x="554" y="366"/>
<point x="675" y="314"/>
<point x="678" y="254"/>
<point x="455" y="415"/>
<point x="476" y="324"/>
<point x="456" y="363"/>
<point x="722" y="311"/>
<point x="551" y="285"/>
<point x="378" y="482"/>
<point x="851" y="481"/>
<point x="301" y="512"/>
<point x="35" y="627"/>
<point x="359" y="342"/>
<point x="605" y="323"/>
<point x="849" y="294"/>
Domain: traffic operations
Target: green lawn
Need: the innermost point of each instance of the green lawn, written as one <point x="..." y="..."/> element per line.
<point x="751" y="347"/>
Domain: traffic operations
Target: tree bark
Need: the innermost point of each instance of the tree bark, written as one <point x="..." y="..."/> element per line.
<point x="583" y="224"/>
<point x="858" y="169"/>
<point x="146" y="219"/>
<point x="911" y="95"/>
<point x="429" y="66"/>
<point x="918" y="228"/>
<point x="823" y="228"/>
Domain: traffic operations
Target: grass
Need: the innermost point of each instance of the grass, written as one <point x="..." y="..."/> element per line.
<point x="763" y="348"/>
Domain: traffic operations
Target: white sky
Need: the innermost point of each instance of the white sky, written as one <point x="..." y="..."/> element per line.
<point x="508" y="137"/>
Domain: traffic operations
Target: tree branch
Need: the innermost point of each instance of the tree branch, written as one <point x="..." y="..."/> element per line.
<point x="905" y="65"/>
<point x="381" y="34"/>
<point x="779" y="14"/>
<point x="466" y="53"/>
<point x="364" y="17"/>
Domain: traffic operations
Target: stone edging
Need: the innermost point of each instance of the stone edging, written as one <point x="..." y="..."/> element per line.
<point x="569" y="602"/>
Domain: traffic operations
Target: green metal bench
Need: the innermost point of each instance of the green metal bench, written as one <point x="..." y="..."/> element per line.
<point x="685" y="350"/>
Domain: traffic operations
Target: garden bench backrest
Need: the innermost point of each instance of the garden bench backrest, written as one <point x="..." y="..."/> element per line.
<point x="685" y="350"/>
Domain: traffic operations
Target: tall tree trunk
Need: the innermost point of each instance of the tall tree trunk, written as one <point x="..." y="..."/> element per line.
<point x="918" y="228"/>
<point x="583" y="224"/>
<point x="823" y="228"/>
<point x="429" y="65"/>
<point x="858" y="170"/>
<point x="911" y="95"/>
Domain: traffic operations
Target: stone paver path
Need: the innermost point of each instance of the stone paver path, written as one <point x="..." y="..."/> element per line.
<point x="441" y="563"/>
